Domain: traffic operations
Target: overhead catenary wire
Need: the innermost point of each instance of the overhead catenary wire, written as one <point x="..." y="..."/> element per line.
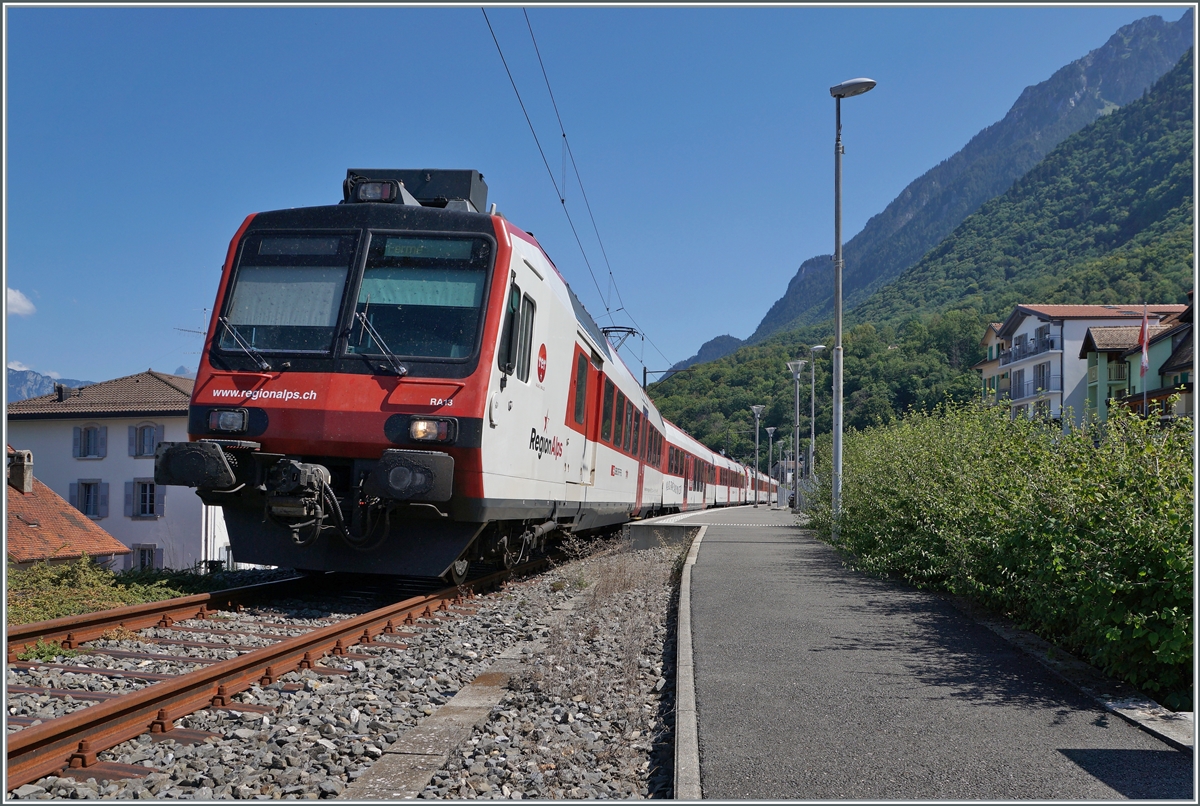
<point x="545" y="162"/>
<point x="582" y="192"/>
<point x="560" y="191"/>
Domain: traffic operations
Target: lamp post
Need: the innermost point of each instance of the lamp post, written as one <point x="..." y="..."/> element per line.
<point x="812" y="402"/>
<point x="758" y="410"/>
<point x="796" y="367"/>
<point x="770" y="460"/>
<point x="847" y="89"/>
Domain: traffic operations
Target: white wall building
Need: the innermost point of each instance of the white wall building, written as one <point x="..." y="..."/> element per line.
<point x="94" y="446"/>
<point x="1045" y="373"/>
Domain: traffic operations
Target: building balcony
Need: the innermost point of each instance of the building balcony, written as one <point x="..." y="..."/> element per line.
<point x="1029" y="349"/>
<point x="1036" y="388"/>
<point x="1116" y="372"/>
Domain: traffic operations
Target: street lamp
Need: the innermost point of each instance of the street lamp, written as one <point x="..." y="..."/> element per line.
<point x="770" y="459"/>
<point x="812" y="415"/>
<point x="758" y="410"/>
<point x="847" y="89"/>
<point x="796" y="367"/>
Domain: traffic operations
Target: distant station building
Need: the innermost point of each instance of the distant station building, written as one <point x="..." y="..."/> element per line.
<point x="95" y="448"/>
<point x="42" y="527"/>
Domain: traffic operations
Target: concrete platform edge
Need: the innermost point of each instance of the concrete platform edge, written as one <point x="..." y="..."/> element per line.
<point x="1176" y="728"/>
<point x="687" y="740"/>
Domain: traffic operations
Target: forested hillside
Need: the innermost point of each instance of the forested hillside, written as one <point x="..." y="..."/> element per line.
<point x="934" y="204"/>
<point x="1106" y="217"/>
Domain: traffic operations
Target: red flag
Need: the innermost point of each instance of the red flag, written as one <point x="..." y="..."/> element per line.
<point x="1144" y="341"/>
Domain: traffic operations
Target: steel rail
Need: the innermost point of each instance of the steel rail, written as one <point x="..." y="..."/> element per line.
<point x="73" y="740"/>
<point x="70" y="631"/>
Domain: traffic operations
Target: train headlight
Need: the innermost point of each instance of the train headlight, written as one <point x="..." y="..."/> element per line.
<point x="229" y="420"/>
<point x="386" y="191"/>
<point x="429" y="430"/>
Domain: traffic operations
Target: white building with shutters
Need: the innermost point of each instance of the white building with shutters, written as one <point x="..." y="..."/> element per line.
<point x="94" y="446"/>
<point x="1039" y="347"/>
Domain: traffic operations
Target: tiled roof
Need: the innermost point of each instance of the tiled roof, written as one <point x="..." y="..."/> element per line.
<point x="41" y="526"/>
<point x="147" y="391"/>
<point x="1181" y="358"/>
<point x="1098" y="311"/>
<point x="1128" y="313"/>
<point x="992" y="329"/>
<point x="1120" y="337"/>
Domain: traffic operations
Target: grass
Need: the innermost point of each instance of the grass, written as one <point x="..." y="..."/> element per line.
<point x="617" y="586"/>
<point x="44" y="591"/>
<point x="46" y="651"/>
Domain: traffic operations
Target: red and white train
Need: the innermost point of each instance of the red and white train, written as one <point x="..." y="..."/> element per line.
<point x="401" y="383"/>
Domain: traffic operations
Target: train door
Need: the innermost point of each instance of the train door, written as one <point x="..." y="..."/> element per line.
<point x="586" y="382"/>
<point x="687" y="476"/>
<point x="534" y="435"/>
<point x="639" y="439"/>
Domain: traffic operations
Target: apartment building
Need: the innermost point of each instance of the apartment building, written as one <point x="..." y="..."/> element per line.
<point x="1040" y="350"/>
<point x="76" y="435"/>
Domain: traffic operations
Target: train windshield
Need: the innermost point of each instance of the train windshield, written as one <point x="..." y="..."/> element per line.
<point x="288" y="293"/>
<point x="423" y="296"/>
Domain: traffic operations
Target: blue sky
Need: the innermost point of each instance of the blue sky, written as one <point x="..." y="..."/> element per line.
<point x="137" y="139"/>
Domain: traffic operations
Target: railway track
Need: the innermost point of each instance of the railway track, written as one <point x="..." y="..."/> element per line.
<point x="262" y="652"/>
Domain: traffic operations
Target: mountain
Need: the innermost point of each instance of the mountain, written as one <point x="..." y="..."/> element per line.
<point x="934" y="204"/>
<point x="25" y="383"/>
<point x="1106" y="217"/>
<point x="711" y="350"/>
<point x="184" y="372"/>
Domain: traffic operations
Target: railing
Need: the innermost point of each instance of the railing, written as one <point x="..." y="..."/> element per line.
<point x="1117" y="371"/>
<point x="1036" y="386"/>
<point x="1022" y="351"/>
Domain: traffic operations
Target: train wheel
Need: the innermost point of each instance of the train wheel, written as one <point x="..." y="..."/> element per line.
<point x="458" y="570"/>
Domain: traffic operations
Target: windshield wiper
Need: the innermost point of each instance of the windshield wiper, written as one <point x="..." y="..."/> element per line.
<point x="397" y="367"/>
<point x="245" y="345"/>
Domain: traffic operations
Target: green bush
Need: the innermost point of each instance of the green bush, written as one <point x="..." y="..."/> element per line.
<point x="1084" y="535"/>
<point x="46" y="591"/>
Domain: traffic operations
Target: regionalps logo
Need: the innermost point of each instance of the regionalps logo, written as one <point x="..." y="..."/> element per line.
<point x="544" y="445"/>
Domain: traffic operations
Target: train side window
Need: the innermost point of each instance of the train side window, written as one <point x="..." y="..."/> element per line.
<point x="508" y="335"/>
<point x="628" y="425"/>
<point x="581" y="374"/>
<point x="606" y="415"/>
<point x="637" y="428"/>
<point x="619" y="422"/>
<point x="525" y="342"/>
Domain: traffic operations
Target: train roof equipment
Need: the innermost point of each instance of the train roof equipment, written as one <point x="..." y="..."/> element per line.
<point x="461" y="190"/>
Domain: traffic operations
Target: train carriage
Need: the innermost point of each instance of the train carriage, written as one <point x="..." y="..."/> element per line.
<point x="402" y="383"/>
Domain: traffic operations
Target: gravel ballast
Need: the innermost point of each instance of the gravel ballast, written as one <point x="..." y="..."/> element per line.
<point x="589" y="716"/>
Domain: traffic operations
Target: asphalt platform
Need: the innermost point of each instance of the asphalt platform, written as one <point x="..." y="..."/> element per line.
<point x="815" y="682"/>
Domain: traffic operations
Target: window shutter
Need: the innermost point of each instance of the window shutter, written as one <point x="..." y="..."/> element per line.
<point x="158" y="558"/>
<point x="129" y="499"/>
<point x="133" y="440"/>
<point x="73" y="492"/>
<point x="102" y="450"/>
<point x="160" y="435"/>
<point x="102" y="508"/>
<point x="75" y="434"/>
<point x="160" y="492"/>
